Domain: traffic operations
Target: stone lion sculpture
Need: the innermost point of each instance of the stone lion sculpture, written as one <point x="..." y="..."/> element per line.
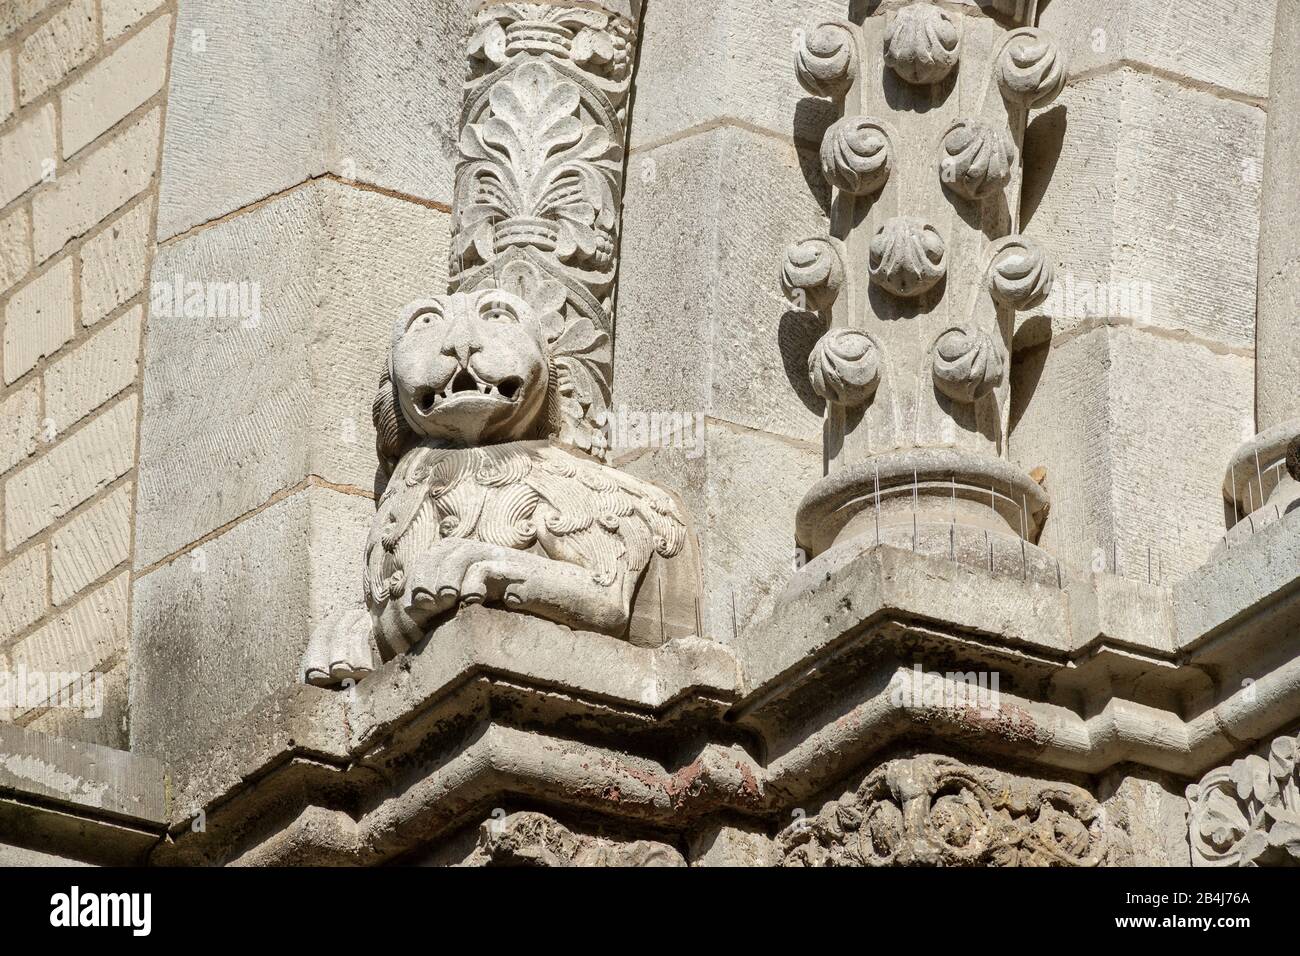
<point x="485" y="505"/>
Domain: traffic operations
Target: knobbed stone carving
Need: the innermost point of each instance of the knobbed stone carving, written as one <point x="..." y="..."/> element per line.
<point x="856" y="155"/>
<point x="1031" y="69"/>
<point x="922" y="44"/>
<point x="967" y="364"/>
<point x="826" y="59"/>
<point x="845" y="367"/>
<point x="908" y="257"/>
<point x="936" y="811"/>
<point x="976" y="160"/>
<point x="534" y="839"/>
<point x="932" y="274"/>
<point x="1020" y="274"/>
<point x="1248" y="813"/>
<point x="813" y="273"/>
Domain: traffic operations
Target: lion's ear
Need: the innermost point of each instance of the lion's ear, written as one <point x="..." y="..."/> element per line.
<point x="392" y="434"/>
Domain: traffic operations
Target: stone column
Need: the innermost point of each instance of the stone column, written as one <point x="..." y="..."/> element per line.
<point x="1257" y="487"/>
<point x="921" y="278"/>
<point x="539" y="189"/>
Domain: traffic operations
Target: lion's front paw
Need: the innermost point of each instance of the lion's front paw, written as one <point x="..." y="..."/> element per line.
<point x="463" y="572"/>
<point x="340" y="650"/>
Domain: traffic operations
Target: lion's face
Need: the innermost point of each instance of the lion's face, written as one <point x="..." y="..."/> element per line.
<point x="470" y="368"/>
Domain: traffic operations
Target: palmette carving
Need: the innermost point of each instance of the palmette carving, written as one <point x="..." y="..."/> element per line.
<point x="977" y="159"/>
<point x="922" y="44"/>
<point x="967" y="364"/>
<point x="814" y="273"/>
<point x="857" y="156"/>
<point x="826" y="59"/>
<point x="907" y="257"/>
<point x="1248" y="813"/>
<point x="844" y="367"/>
<point x="1031" y="69"/>
<point x="935" y="811"/>
<point x="541" y="177"/>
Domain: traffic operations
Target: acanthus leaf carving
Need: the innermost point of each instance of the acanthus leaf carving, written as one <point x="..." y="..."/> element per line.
<point x="1248" y="813"/>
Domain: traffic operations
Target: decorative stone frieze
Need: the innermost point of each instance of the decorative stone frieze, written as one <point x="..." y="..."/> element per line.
<point x="1248" y="813"/>
<point x="534" y="839"/>
<point x="926" y="259"/>
<point x="936" y="811"/>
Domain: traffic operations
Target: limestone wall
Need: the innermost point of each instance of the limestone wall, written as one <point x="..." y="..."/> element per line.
<point x="83" y="92"/>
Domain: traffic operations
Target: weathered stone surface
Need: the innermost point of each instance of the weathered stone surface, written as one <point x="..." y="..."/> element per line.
<point x="1098" y="190"/>
<point x="71" y="472"/>
<point x="19" y="424"/>
<point x="206" y="647"/>
<point x="721" y="339"/>
<point x="6" y="85"/>
<point x="95" y="186"/>
<point x="91" y="544"/>
<point x="23" y="588"/>
<point x="15" y="247"/>
<point x="1083" y="412"/>
<point x="1186" y="40"/>
<point x="120" y="15"/>
<point x="251" y="87"/>
<point x="81" y="641"/>
<point x="38" y="320"/>
<point x="96" y="370"/>
<point x="732" y="65"/>
<point x="104" y="723"/>
<point x="18" y="13"/>
<point x="60" y="45"/>
<point x="113" y="263"/>
<point x="398" y="96"/>
<point x="27" y="154"/>
<point x="314" y="261"/>
<point x="115" y="86"/>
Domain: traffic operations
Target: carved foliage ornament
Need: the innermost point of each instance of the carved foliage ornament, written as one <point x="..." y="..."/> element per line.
<point x="845" y="367"/>
<point x="826" y="59"/>
<point x="1031" y="69"/>
<point x="1248" y="814"/>
<point x="534" y="839"/>
<point x="908" y="257"/>
<point x="814" y="269"/>
<point x="922" y="43"/>
<point x="1020" y="274"/>
<point x="935" y="811"/>
<point x="857" y="156"/>
<point x="977" y="159"/>
<point x="967" y="364"/>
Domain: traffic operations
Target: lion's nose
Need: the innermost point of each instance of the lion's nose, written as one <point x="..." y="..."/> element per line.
<point x="461" y="342"/>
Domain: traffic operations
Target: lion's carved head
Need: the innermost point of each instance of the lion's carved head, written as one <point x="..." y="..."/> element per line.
<point x="495" y="364"/>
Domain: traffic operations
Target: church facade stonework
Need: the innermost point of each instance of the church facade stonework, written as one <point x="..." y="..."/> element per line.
<point x="982" y="548"/>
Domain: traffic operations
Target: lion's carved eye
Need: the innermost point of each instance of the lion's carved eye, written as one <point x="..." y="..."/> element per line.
<point x="424" y="317"/>
<point x="498" y="312"/>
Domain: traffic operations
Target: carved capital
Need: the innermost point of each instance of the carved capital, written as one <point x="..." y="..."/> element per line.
<point x="935" y="811"/>
<point x="1248" y="813"/>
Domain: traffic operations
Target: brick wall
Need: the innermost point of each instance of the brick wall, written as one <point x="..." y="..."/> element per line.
<point x="82" y="99"/>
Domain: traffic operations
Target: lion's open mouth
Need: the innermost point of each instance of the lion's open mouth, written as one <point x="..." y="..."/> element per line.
<point x="465" y="384"/>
